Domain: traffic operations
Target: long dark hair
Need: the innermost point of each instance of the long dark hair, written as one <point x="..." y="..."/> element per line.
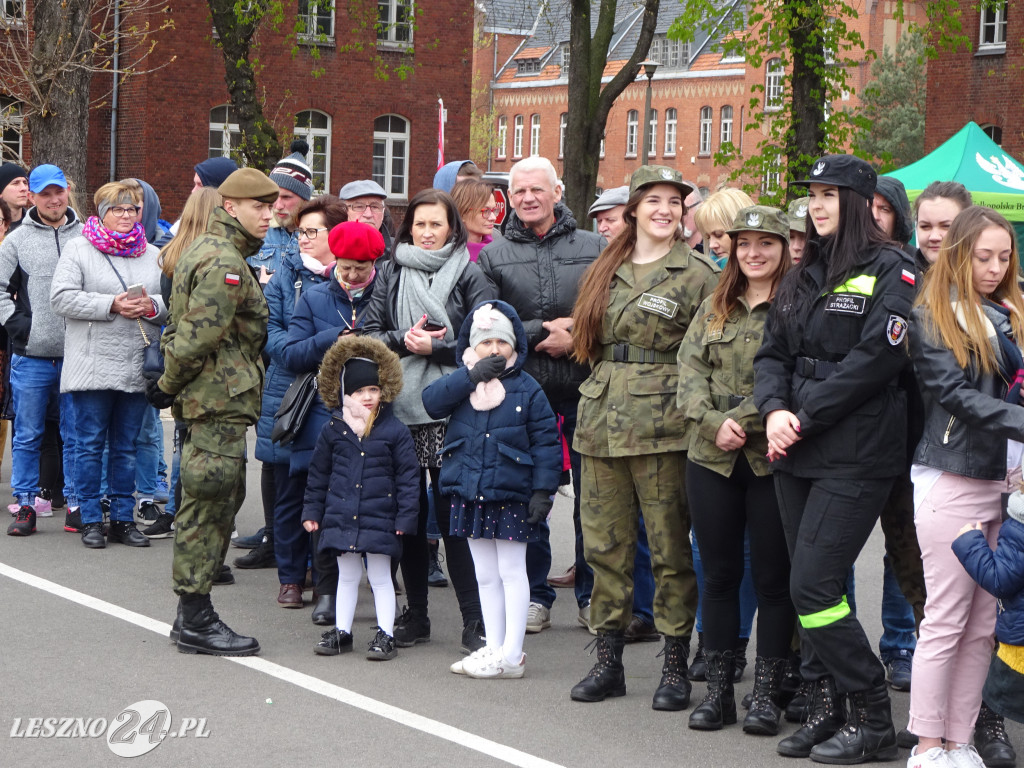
<point x="457" y="233"/>
<point x="840" y="251"/>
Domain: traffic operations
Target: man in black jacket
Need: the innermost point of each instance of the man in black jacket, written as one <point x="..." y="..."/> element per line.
<point x="537" y="268"/>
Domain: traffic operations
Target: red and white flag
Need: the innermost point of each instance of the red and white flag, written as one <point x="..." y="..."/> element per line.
<point x="440" y="134"/>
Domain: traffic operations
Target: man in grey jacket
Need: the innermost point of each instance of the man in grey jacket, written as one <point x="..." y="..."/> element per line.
<point x="28" y="258"/>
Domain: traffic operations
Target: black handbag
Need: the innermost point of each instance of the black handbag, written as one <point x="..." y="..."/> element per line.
<point x="294" y="408"/>
<point x="152" y="357"/>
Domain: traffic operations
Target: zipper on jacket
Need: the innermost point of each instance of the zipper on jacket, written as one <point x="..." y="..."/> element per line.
<point x="945" y="435"/>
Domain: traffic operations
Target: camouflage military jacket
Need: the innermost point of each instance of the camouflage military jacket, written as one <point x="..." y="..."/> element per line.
<point x="716" y="382"/>
<point x="629" y="408"/>
<point x="217" y="329"/>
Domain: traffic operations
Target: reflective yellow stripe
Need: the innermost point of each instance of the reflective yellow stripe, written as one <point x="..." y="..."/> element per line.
<point x="862" y="284"/>
<point x="826" y="617"/>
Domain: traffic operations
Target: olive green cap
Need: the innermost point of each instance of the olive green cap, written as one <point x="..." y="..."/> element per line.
<point x="798" y="214"/>
<point x="249" y="184"/>
<point x="761" y="218"/>
<point x="646" y="175"/>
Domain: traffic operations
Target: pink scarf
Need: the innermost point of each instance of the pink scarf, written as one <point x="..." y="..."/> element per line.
<point x="130" y="245"/>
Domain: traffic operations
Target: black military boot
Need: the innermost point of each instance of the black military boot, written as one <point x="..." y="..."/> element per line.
<point x="991" y="741"/>
<point x="867" y="735"/>
<point x="673" y="693"/>
<point x="176" y="627"/>
<point x="202" y="631"/>
<point x="764" y="714"/>
<point x="824" y="716"/>
<point x="719" y="705"/>
<point x="607" y="677"/>
<point x="262" y="556"/>
<point x="698" y="671"/>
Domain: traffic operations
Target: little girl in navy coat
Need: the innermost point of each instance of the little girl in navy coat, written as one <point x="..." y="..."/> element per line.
<point x="363" y="489"/>
<point x="501" y="465"/>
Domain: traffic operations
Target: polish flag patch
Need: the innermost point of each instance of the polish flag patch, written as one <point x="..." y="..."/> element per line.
<point x="230" y="279"/>
<point x="907" y="276"/>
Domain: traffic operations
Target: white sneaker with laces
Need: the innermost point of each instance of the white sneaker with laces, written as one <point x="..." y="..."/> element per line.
<point x="537" y="618"/>
<point x="459" y="667"/>
<point x="936" y="757"/>
<point x="966" y="756"/>
<point x="494" y="666"/>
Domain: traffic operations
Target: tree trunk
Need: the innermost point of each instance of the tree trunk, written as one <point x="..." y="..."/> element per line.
<point x="806" y="138"/>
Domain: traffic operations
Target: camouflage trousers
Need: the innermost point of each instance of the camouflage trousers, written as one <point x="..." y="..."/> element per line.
<point x="612" y="493"/>
<point x="901" y="545"/>
<point x="212" y="492"/>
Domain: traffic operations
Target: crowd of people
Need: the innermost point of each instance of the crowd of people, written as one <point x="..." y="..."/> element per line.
<point x="732" y="394"/>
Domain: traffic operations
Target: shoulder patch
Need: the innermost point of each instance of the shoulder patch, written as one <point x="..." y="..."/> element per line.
<point x="896" y="330"/>
<point x="231" y="279"/>
<point x="907" y="276"/>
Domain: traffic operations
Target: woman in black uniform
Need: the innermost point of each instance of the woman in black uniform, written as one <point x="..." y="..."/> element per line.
<point x="826" y="386"/>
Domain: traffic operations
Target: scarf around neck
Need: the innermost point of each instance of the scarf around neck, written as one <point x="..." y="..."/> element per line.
<point x="130" y="244"/>
<point x="999" y="330"/>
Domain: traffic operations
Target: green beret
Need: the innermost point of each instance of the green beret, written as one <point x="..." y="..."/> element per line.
<point x="248" y="183"/>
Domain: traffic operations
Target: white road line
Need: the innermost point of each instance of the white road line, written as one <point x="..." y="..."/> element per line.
<point x="430" y="727"/>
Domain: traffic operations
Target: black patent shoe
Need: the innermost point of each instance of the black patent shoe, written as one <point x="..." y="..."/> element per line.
<point x="333" y="642"/>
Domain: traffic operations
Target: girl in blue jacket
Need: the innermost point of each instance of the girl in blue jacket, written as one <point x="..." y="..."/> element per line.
<point x="363" y="487"/>
<point x="501" y="465"/>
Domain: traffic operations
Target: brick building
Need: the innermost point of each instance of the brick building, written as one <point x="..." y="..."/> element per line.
<point x="358" y="124"/>
<point x="983" y="84"/>
<point x="700" y="98"/>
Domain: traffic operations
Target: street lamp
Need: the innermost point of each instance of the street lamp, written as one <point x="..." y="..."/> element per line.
<point x="649" y="69"/>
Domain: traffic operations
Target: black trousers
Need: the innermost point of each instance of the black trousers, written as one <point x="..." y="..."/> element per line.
<point x="722" y="509"/>
<point x="827" y="521"/>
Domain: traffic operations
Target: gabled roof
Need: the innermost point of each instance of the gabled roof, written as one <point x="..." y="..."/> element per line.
<point x="532" y="53"/>
<point x="510" y="17"/>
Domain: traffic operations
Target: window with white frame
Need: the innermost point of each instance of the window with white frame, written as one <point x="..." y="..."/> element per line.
<point x="10" y="126"/>
<point x="517" y="136"/>
<point x="705" y="131"/>
<point x="315" y="127"/>
<point x="391" y="154"/>
<point x="670" y="131"/>
<point x="563" y="124"/>
<point x="394" y="22"/>
<point x="670" y="54"/>
<point x="502" y="136"/>
<point x="225" y="135"/>
<point x="772" y="176"/>
<point x="535" y="134"/>
<point x="726" y="123"/>
<point x="632" y="121"/>
<point x="316" y="18"/>
<point x="652" y="134"/>
<point x="773" y="85"/>
<point x="565" y="59"/>
<point x="993" y="27"/>
<point x="601" y="152"/>
<point x="12" y="10"/>
<point x="528" y="66"/>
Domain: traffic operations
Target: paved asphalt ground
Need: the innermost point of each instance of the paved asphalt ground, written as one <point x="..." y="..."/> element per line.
<point x="84" y="635"/>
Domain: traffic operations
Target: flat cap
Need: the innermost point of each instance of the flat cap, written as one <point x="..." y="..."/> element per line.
<point x="362" y="188"/>
<point x="647" y="175"/>
<point x="609" y="199"/>
<point x="248" y="183"/>
<point x="843" y="171"/>
<point x="761" y="218"/>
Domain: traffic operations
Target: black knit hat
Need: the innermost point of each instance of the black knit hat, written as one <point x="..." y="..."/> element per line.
<point x="359" y="372"/>
<point x="9" y="172"/>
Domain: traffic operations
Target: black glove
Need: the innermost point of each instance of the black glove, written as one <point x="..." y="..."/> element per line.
<point x="540" y="504"/>
<point x="487" y="369"/>
<point x="157" y="397"/>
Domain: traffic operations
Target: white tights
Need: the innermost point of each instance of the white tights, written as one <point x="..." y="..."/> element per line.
<point x="504" y="593"/>
<point x="350" y="573"/>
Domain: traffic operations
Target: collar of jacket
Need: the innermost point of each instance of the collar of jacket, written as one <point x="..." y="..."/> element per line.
<point x="223" y="224"/>
<point x="564" y="224"/>
<point x="33" y="218"/>
<point x="679" y="257"/>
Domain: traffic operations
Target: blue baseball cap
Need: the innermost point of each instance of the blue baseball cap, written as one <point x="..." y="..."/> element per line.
<point x="43" y="176"/>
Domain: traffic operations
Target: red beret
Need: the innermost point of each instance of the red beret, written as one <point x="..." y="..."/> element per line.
<point x="356" y="241"/>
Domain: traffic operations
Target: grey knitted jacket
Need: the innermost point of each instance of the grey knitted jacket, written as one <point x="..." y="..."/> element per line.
<point x="103" y="350"/>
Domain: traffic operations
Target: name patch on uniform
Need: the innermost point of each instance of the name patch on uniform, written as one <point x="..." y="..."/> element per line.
<point x="896" y="329"/>
<point x="846" y="304"/>
<point x="230" y="279"/>
<point x="658" y="305"/>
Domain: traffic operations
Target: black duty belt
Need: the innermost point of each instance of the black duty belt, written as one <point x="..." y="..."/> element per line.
<point x="726" y="402"/>
<point x="629" y="353"/>
<point x="810" y="368"/>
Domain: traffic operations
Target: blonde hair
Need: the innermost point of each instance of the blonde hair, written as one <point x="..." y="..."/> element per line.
<point x="194" y="220"/>
<point x="118" y="193"/>
<point x="721" y="209"/>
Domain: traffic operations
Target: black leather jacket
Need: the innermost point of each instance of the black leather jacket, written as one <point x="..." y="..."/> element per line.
<point x="967" y="421"/>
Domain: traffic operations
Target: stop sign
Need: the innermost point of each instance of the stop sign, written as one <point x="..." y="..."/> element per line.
<point x="500" y="203"/>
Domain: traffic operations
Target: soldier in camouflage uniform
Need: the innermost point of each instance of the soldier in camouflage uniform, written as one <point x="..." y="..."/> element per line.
<point x="213" y="377"/>
<point x="631" y="432"/>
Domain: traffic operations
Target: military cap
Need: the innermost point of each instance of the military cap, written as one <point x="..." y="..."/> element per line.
<point x="249" y="184"/>
<point x="798" y="214"/>
<point x="647" y="175"/>
<point x="843" y="171"/>
<point x="609" y="199"/>
<point x="761" y="218"/>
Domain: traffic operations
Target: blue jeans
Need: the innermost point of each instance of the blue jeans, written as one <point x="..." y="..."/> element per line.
<point x="35" y="392"/>
<point x="101" y="415"/>
<point x="179" y="438"/>
<point x="898" y="627"/>
<point x="643" y="577"/>
<point x="748" y="598"/>
<point x="149" y="454"/>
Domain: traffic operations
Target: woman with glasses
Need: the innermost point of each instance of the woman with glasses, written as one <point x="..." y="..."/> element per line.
<point x="107" y="287"/>
<point x="478" y="209"/>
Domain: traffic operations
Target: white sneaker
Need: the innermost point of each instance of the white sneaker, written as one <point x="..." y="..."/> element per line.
<point x="936" y="757"/>
<point x="493" y="666"/>
<point x="966" y="756"/>
<point x="538" y="618"/>
<point x="583" y="619"/>
<point x="459" y="667"/>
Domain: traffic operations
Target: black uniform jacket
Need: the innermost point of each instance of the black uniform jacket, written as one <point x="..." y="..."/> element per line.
<point x="834" y="358"/>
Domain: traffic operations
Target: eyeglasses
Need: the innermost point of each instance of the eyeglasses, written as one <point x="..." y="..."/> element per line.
<point x="310" y="234"/>
<point x="488" y="213"/>
<point x="360" y="207"/>
<point x="125" y="210"/>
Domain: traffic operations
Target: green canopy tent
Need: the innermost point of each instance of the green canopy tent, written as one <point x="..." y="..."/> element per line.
<point x="993" y="177"/>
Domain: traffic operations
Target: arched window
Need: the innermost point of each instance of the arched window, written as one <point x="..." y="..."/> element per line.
<point x="652" y="134"/>
<point x="563" y="123"/>
<point x="670" y="131"/>
<point x="517" y="137"/>
<point x="225" y="135"/>
<point x="315" y="127"/>
<point x="502" y="136"/>
<point x="725" y="135"/>
<point x="705" y="131"/>
<point x="391" y="154"/>
<point x="773" y="85"/>
<point x="535" y="135"/>
<point x="994" y="132"/>
<point x="632" y="121"/>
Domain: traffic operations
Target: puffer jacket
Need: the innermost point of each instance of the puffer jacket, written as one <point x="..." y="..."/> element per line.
<point x="540" y="277"/>
<point x="505" y="453"/>
<point x="1001" y="573"/>
<point x="281" y="301"/>
<point x="361" y="490"/>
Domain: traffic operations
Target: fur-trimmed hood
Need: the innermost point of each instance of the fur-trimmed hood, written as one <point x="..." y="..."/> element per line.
<point x="329" y="378"/>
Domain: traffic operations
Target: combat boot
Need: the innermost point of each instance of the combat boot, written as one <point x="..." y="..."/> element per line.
<point x="991" y="741"/>
<point x="202" y="631"/>
<point x="824" y="716"/>
<point x="176" y="627"/>
<point x="764" y="714"/>
<point x="607" y="677"/>
<point x="868" y="734"/>
<point x="673" y="692"/>
<point x="719" y="705"/>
